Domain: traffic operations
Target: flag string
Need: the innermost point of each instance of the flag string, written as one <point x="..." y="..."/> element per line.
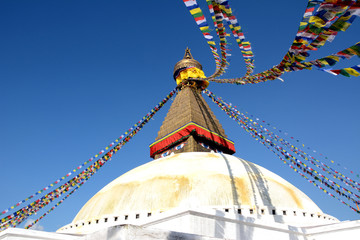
<point x="17" y="217"/>
<point x="269" y="140"/>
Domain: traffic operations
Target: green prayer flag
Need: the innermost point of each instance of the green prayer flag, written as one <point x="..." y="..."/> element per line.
<point x="345" y="73"/>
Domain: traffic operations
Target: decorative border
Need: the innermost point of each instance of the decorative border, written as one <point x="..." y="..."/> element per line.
<point x="182" y="133"/>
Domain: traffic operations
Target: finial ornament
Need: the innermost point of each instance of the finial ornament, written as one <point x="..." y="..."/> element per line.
<point x="186" y="62"/>
<point x="188" y="68"/>
<point x="187" y="54"/>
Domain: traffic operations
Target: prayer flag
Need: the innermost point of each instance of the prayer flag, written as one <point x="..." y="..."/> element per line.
<point x="189" y="3"/>
<point x="352" y="71"/>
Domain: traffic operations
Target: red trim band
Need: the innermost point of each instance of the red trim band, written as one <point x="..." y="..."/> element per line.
<point x="184" y="133"/>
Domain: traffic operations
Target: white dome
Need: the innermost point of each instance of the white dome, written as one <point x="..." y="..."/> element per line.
<point x="196" y="180"/>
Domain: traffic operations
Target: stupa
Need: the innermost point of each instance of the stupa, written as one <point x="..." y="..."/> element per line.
<point x="195" y="185"/>
<point x="196" y="189"/>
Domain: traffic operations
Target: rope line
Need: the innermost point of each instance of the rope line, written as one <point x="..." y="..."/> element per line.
<point x="289" y="159"/>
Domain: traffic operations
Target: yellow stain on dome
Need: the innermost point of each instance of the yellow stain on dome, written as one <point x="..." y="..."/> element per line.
<point x="194" y="180"/>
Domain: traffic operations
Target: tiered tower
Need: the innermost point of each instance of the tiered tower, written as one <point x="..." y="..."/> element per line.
<point x="190" y="125"/>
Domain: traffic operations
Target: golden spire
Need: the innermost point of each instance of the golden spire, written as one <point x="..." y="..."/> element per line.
<point x="190" y="125"/>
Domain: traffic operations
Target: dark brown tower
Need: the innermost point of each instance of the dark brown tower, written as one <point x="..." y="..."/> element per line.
<point x="190" y="125"/>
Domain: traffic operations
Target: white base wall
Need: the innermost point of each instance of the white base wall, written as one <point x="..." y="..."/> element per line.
<point x="200" y="225"/>
<point x="226" y="226"/>
<point x="28" y="234"/>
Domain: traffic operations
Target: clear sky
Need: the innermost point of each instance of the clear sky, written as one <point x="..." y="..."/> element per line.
<point x="75" y="75"/>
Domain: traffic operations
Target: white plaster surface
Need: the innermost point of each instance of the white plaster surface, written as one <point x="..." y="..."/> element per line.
<point x="198" y="196"/>
<point x="28" y="234"/>
<point x="196" y="180"/>
<point x="201" y="225"/>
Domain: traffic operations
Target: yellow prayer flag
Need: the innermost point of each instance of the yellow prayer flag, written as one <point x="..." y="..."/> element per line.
<point x="247" y="52"/>
<point x="334" y="57"/>
<point x="317" y="21"/>
<point x="300" y="58"/>
<point x="345" y="26"/>
<point x="303" y="41"/>
<point x="195" y="10"/>
<point x="352" y="51"/>
<point x="327" y="33"/>
<point x="204" y="28"/>
<point x="345" y="18"/>
<point x="352" y="72"/>
<point x="237" y="28"/>
<point x="323" y="61"/>
<point x="227" y="10"/>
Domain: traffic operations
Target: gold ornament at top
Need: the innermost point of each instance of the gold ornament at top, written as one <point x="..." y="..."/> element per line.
<point x="187" y="70"/>
<point x="187" y="61"/>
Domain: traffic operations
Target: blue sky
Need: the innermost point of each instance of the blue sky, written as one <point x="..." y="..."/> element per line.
<point x="74" y="75"/>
